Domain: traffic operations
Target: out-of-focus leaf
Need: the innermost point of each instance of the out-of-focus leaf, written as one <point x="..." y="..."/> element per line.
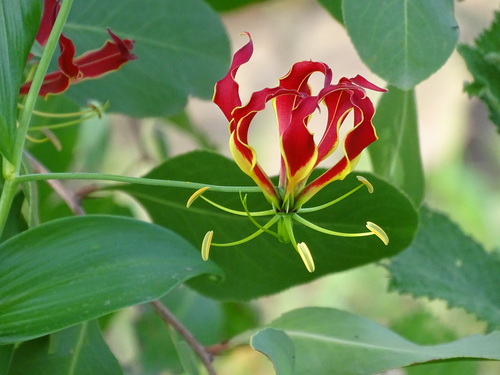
<point x="404" y="42"/>
<point x="71" y="270"/>
<point x="265" y="265"/>
<point x="19" y="23"/>
<point x="226" y="319"/>
<point x="225" y="5"/>
<point x="396" y="154"/>
<point x="329" y="341"/>
<point x="423" y="328"/>
<point x="6" y="352"/>
<point x="334" y="7"/>
<point x="483" y="61"/>
<point x="77" y="350"/>
<point x="442" y="262"/>
<point x="15" y="223"/>
<point x="278" y="347"/>
<point x="182" y="50"/>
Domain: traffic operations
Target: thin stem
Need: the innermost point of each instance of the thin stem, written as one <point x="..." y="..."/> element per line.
<point x="9" y="190"/>
<point x="29" y="104"/>
<point x="134" y="180"/>
<point x="12" y="166"/>
<point x="170" y="319"/>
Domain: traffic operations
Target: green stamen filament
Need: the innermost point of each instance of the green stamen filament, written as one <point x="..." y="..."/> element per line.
<point x="93" y="109"/>
<point x="269" y="224"/>
<point x="331" y="203"/>
<point x="198" y="194"/>
<point x="331" y="232"/>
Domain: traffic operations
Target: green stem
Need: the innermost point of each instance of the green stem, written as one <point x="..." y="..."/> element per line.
<point x="36" y="84"/>
<point x="11" y="168"/>
<point x="134" y="180"/>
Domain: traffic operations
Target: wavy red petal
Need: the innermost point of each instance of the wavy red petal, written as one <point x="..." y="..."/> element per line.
<point x="226" y="93"/>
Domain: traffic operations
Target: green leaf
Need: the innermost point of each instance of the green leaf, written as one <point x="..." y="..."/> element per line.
<point x="264" y="265"/>
<point x="483" y="61"/>
<point x="77" y="350"/>
<point x="444" y="263"/>
<point x="396" y="154"/>
<point x="423" y="328"/>
<point x="6" y="352"/>
<point x="329" y="341"/>
<point x="181" y="46"/>
<point x="75" y="269"/>
<point x="19" y="20"/>
<point x="334" y="7"/>
<point x="278" y="347"/>
<point x="404" y="42"/>
<point x="225" y="5"/>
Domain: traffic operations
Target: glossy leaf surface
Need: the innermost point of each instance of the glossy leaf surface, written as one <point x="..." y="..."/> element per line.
<point x="264" y="265"/>
<point x="75" y="269"/>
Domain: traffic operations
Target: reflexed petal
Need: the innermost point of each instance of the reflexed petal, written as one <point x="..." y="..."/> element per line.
<point x="242" y="152"/>
<point x="65" y="60"/>
<point x="226" y="94"/>
<point x="298" y="149"/>
<point x="50" y="11"/>
<point x="110" y="57"/>
<point x="363" y="82"/>
<point x="92" y="64"/>
<point x="297" y="79"/>
<point x="355" y="141"/>
<point x="246" y="159"/>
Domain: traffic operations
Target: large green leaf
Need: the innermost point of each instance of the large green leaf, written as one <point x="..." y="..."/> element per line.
<point x="404" y="42"/>
<point x="329" y="341"/>
<point x="445" y="263"/>
<point x="396" y="154"/>
<point x="264" y="265"/>
<point x="19" y="21"/>
<point x="181" y="46"/>
<point x="77" y="350"/>
<point x="75" y="269"/>
<point x="483" y="61"/>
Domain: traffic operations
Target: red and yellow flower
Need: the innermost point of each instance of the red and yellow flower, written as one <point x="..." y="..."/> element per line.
<point x="295" y="104"/>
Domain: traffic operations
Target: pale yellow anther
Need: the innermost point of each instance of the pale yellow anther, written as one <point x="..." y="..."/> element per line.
<point x="195" y="195"/>
<point x="367" y="183"/>
<point x="306" y="256"/>
<point x="379" y="232"/>
<point x="205" y="245"/>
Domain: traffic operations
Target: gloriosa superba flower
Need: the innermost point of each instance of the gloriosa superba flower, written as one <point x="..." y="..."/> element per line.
<point x="294" y="105"/>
